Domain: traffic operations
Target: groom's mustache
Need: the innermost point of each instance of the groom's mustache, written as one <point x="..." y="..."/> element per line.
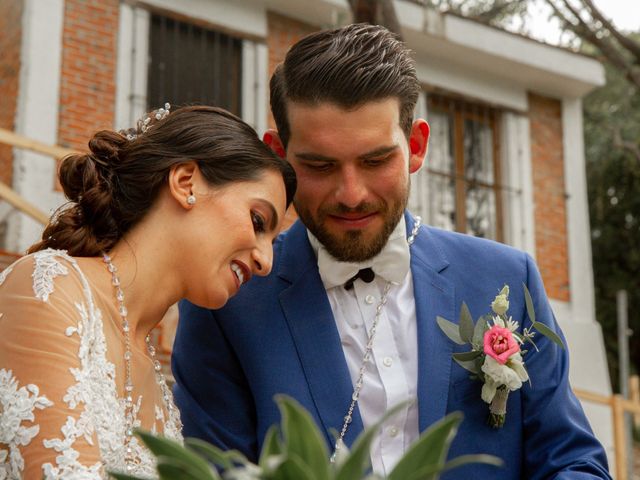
<point x="364" y="208"/>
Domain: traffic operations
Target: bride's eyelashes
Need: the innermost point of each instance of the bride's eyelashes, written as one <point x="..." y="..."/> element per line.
<point x="258" y="222"/>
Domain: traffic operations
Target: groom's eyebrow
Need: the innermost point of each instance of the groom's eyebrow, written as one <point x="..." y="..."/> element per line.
<point x="374" y="153"/>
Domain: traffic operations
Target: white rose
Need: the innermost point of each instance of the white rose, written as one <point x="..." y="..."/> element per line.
<point x="489" y="390"/>
<point x="516" y="363"/>
<point x="511" y="374"/>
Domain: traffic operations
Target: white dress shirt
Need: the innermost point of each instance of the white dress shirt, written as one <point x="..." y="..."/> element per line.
<point x="391" y="374"/>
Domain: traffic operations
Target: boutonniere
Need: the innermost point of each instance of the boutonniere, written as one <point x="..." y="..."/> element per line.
<point x="496" y="355"/>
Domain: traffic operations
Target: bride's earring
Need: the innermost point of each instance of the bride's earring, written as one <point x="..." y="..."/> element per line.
<point x="191" y="199"/>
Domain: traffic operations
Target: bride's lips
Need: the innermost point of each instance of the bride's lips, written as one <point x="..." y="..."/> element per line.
<point x="244" y="269"/>
<point x="353" y="220"/>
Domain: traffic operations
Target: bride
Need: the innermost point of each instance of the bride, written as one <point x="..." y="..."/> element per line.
<point x="185" y="206"/>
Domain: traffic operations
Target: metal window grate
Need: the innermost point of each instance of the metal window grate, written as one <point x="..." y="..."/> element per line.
<point x="190" y="64"/>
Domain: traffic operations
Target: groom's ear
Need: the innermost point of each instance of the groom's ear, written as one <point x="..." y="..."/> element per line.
<point x="182" y="179"/>
<point x="272" y="140"/>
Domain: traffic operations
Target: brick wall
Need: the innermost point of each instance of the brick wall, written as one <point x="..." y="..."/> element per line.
<point x="282" y="33"/>
<point x="88" y="77"/>
<point x="549" y="196"/>
<point x="10" y="43"/>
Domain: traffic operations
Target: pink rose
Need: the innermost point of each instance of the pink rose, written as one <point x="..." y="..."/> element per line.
<point x="500" y="344"/>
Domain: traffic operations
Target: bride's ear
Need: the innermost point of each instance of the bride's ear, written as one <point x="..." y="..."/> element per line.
<point x="182" y="178"/>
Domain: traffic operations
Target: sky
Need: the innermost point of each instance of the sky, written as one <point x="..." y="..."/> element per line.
<point x="625" y="15"/>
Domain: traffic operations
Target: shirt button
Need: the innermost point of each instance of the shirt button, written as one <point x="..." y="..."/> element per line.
<point x="387" y="361"/>
<point x="369" y="299"/>
<point x="393" y="431"/>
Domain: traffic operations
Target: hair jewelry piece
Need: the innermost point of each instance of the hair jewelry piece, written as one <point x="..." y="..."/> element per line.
<point x="145" y="124"/>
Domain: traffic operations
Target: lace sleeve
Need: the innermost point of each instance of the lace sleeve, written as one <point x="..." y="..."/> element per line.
<point x="43" y="427"/>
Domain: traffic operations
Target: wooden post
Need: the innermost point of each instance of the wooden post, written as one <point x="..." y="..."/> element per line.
<point x="619" y="437"/>
<point x="634" y="396"/>
<point x="21" y="204"/>
<point x="20" y="141"/>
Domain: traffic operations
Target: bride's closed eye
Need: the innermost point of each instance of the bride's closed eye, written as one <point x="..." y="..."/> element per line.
<point x="258" y="222"/>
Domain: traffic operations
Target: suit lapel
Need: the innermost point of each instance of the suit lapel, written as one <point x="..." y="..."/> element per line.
<point x="312" y="326"/>
<point x="434" y="295"/>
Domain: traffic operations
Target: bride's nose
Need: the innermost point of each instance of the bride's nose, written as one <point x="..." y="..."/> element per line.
<point x="262" y="258"/>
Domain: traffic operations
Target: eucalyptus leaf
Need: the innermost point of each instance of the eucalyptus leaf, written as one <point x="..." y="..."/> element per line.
<point x="529" y="302"/>
<point x="547" y="332"/>
<point x="482" y="325"/>
<point x="469" y="365"/>
<point x="467" y="356"/>
<point x="466" y="324"/>
<point x="430" y="449"/>
<point x="450" y="329"/>
<point x="478" y="365"/>
<point x="164" y="447"/>
<point x="302" y="437"/>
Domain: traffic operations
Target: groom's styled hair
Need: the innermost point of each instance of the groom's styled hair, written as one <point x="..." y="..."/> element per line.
<point x="347" y="66"/>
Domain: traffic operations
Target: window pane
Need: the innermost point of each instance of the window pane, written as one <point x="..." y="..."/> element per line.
<point x="481" y="211"/>
<point x="478" y="151"/>
<point x="440" y="157"/>
<point x="190" y="64"/>
<point x="441" y="206"/>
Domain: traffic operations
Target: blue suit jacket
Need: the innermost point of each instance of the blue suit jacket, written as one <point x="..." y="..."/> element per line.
<point x="278" y="335"/>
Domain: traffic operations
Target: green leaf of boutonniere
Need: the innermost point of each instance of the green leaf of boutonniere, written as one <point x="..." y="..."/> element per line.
<point x="450" y="329"/>
<point x="470" y="365"/>
<point x="547" y="332"/>
<point x="529" y="302"/>
<point x="540" y="327"/>
<point x="479" y="330"/>
<point x="467" y="356"/>
<point x="466" y="324"/>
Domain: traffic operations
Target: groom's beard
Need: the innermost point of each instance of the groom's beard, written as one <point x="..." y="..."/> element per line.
<point x="355" y="245"/>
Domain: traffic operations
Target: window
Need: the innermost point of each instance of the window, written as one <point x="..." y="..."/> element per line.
<point x="458" y="188"/>
<point x="192" y="64"/>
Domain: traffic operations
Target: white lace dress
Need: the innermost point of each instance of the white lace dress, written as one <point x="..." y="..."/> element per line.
<point x="62" y="375"/>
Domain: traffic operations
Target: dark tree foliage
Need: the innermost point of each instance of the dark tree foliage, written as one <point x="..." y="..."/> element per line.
<point x="612" y="113"/>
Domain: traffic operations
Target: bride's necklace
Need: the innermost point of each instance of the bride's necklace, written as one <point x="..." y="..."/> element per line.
<point x="129" y="413"/>
<point x="367" y="353"/>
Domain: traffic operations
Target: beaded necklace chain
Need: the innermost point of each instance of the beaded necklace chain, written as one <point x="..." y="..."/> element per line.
<point x="367" y="353"/>
<point x="129" y="413"/>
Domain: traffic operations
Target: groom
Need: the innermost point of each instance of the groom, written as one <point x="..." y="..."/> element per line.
<point x="343" y="103"/>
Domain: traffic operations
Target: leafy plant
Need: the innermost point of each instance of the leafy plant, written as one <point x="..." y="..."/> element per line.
<point x="297" y="451"/>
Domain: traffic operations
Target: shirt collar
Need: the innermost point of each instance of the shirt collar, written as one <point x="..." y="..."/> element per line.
<point x="392" y="263"/>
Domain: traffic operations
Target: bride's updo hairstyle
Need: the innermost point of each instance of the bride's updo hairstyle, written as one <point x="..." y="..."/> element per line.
<point x="111" y="188"/>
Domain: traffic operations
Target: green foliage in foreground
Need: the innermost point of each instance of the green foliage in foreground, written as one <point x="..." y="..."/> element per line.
<point x="297" y="451"/>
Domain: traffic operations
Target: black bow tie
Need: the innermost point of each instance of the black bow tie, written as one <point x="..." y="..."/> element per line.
<point x="366" y="275"/>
